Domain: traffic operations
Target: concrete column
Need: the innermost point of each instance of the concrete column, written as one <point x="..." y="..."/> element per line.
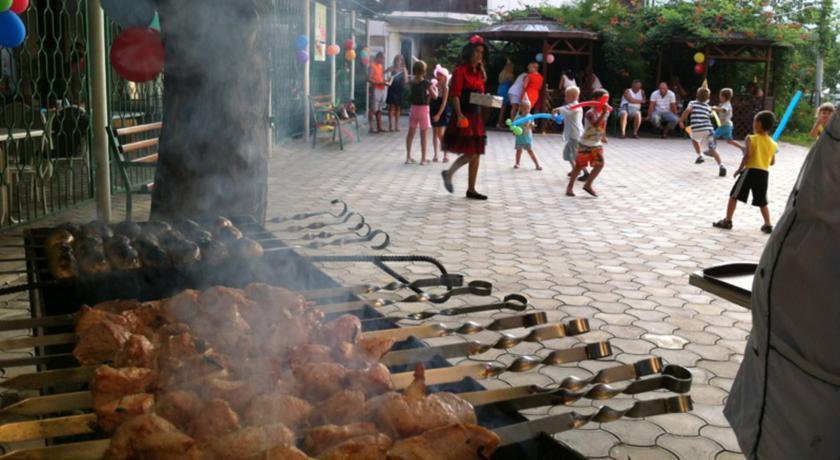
<point x="334" y="22"/>
<point x="99" y="109"/>
<point x="307" y="30"/>
<point x="353" y="62"/>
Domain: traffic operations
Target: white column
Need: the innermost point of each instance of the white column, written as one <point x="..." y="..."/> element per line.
<point x="99" y="109"/>
<point x="353" y="62"/>
<point x="307" y="30"/>
<point x="334" y="21"/>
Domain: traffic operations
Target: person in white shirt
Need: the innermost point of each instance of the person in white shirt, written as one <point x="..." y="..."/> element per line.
<point x="517" y="89"/>
<point x="631" y="107"/>
<point x="572" y="127"/>
<point x="663" y="109"/>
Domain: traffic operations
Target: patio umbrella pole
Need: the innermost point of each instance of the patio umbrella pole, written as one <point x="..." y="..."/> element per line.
<point x="99" y="109"/>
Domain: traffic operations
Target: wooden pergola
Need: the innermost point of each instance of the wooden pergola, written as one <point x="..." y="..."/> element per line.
<point x="737" y="48"/>
<point x="554" y="37"/>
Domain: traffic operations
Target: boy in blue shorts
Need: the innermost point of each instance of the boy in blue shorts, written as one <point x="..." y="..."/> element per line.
<point x="724" y="112"/>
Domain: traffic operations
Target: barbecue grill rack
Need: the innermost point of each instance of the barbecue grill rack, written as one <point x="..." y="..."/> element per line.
<point x="297" y="273"/>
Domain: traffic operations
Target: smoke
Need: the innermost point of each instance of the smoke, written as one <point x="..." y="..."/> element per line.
<point x="214" y="146"/>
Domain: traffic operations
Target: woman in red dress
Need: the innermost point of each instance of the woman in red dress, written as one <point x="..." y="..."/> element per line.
<point x="465" y="134"/>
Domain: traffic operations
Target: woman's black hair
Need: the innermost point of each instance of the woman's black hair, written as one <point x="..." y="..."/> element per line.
<point x="468" y="52"/>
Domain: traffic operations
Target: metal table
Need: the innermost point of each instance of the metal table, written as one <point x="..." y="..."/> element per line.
<point x="732" y="282"/>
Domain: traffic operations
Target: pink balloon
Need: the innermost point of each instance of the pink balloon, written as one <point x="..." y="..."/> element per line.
<point x="19" y="6"/>
<point x="549" y="58"/>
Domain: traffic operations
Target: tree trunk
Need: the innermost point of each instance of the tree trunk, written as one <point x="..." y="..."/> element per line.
<point x="214" y="145"/>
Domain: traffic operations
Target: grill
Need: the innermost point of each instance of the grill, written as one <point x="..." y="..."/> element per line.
<point x="61" y="381"/>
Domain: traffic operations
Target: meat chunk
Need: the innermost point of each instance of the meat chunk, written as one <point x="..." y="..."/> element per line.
<point x="281" y="337"/>
<point x="369" y="447"/>
<point x="345" y="328"/>
<point x="111" y="414"/>
<point x="451" y="442"/>
<point x="277" y="408"/>
<point x="250" y="442"/>
<point x="311" y="353"/>
<point x="138" y="351"/>
<point x="150" y="437"/>
<point x="401" y="416"/>
<point x="284" y="452"/>
<point x="317" y="382"/>
<point x="100" y="334"/>
<point x="342" y="408"/>
<point x="215" y="419"/>
<point x="178" y="406"/>
<point x="364" y="352"/>
<point x="374" y="380"/>
<point x="183" y="306"/>
<point x="273" y="298"/>
<point x="147" y="318"/>
<point x="317" y="440"/>
<point x="117" y="306"/>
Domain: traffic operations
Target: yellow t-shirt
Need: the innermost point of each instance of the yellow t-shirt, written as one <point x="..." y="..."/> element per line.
<point x="762" y="150"/>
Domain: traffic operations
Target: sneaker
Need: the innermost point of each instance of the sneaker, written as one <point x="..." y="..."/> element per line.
<point x="699" y="160"/>
<point x="725" y="224"/>
<point x="768" y="229"/>
<point x="722" y="171"/>
<point x="447" y="181"/>
<point x="476" y="196"/>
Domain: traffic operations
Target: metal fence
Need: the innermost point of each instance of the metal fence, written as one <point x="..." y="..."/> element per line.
<point x="45" y="127"/>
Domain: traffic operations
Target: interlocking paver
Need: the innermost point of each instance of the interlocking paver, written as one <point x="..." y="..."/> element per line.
<point x="624" y="256"/>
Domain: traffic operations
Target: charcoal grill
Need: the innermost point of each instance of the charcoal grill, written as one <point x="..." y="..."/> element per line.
<point x="286" y="268"/>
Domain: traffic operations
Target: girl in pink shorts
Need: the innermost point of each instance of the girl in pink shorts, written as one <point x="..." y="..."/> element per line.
<point x="422" y="91"/>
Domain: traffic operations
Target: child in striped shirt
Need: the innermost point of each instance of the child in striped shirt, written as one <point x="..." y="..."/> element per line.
<point x="701" y="129"/>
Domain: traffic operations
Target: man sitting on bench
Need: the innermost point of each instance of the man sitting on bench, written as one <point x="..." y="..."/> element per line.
<point x="662" y="112"/>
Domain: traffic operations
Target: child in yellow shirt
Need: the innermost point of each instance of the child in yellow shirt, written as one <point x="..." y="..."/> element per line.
<point x="754" y="172"/>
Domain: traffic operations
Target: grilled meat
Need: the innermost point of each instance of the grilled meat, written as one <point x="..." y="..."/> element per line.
<point x="111" y="414"/>
<point x="283" y="408"/>
<point x="150" y="437"/>
<point x="318" y="382"/>
<point x="246" y="249"/>
<point x="317" y="440"/>
<point x="74" y="229"/>
<point x="110" y="384"/>
<point x="342" y="408"/>
<point x="228" y="234"/>
<point x="412" y="413"/>
<point x="342" y="329"/>
<point x="128" y="229"/>
<point x="368" y="447"/>
<point x="364" y="352"/>
<point x="155" y="227"/>
<point x="221" y="222"/>
<point x="62" y="262"/>
<point x="183" y="253"/>
<point x="100" y="335"/>
<point x="213" y="252"/>
<point x="121" y="254"/>
<point x="178" y="406"/>
<point x="451" y="442"/>
<point x="215" y="419"/>
<point x="96" y="229"/>
<point x="138" y="351"/>
<point x="58" y="237"/>
<point x="373" y="380"/>
<point x="90" y="253"/>
<point x="151" y="254"/>
<point x="117" y="306"/>
<point x="250" y="442"/>
<point x="284" y="452"/>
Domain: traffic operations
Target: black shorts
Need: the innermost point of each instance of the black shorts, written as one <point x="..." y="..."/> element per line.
<point x="751" y="180"/>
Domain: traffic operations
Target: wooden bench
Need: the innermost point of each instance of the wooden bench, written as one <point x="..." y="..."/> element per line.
<point x="145" y="161"/>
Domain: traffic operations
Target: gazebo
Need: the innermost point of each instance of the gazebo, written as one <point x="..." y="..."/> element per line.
<point x="547" y="35"/>
<point x="737" y="48"/>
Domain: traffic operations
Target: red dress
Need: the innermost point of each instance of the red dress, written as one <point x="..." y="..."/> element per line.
<point x="473" y="138"/>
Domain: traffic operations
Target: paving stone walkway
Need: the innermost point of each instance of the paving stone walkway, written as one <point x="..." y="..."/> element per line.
<point x="622" y="260"/>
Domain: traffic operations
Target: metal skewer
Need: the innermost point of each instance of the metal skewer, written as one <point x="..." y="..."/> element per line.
<point x="515" y="302"/>
<point x="520" y="432"/>
<point x="308" y="215"/>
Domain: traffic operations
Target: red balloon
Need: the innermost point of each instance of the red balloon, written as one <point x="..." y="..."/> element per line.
<point x="463" y="123"/>
<point x="137" y="54"/>
<point x="349" y="44"/>
<point x="19" y="6"/>
<point x="699" y="68"/>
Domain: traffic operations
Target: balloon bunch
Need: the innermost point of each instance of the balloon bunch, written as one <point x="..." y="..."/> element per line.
<point x="137" y="54"/>
<point x="302" y="49"/>
<point x="12" y="30"/>
<point x="516" y="129"/>
<point x="365" y="55"/>
<point x="700" y="67"/>
<point x="350" y="49"/>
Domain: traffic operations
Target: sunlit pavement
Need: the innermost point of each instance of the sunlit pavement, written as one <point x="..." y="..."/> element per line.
<point x="621" y="260"/>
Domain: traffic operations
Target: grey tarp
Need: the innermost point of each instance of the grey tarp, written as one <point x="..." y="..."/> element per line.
<point x="785" y="401"/>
